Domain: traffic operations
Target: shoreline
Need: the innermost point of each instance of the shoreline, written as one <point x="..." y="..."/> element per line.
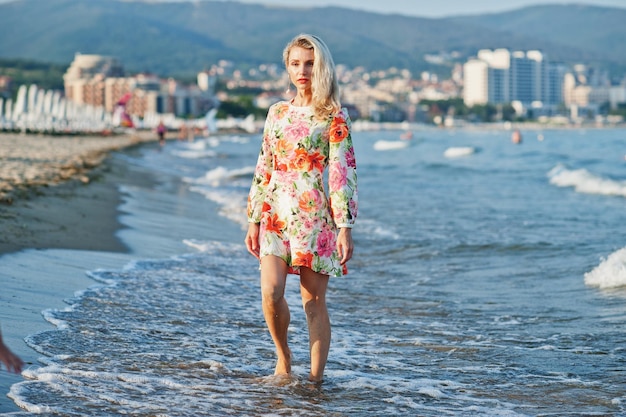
<point x="29" y="162"/>
<point x="72" y="205"/>
<point x="69" y="173"/>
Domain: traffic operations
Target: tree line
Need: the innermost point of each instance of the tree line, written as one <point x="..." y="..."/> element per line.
<point x="47" y="76"/>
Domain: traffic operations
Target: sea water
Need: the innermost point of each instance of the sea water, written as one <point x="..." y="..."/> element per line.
<point x="489" y="279"/>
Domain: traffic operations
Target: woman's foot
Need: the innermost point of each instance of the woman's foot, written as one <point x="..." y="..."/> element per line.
<point x="283" y="364"/>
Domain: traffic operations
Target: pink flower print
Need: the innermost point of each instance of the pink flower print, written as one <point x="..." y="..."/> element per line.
<point x="289" y="176"/>
<point x="337" y="176"/>
<point x="354" y="208"/>
<point x="350" y="161"/>
<point x="295" y="131"/>
<point x="305" y="229"/>
<point x="325" y="243"/>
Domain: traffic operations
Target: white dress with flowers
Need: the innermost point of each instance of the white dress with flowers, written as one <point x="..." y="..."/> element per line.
<point x="298" y="219"/>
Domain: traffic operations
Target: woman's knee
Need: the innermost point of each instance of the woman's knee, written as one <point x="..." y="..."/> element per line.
<point x="271" y="292"/>
<point x="314" y="307"/>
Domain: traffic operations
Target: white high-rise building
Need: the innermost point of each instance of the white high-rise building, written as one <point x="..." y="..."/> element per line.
<point x="475" y="82"/>
<point x="500" y="76"/>
<point x="499" y="61"/>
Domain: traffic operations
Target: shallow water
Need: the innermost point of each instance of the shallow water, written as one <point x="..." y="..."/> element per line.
<point x="489" y="279"/>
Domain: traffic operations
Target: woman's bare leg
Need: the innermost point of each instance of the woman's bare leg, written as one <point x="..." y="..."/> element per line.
<point x="313" y="291"/>
<point x="275" y="309"/>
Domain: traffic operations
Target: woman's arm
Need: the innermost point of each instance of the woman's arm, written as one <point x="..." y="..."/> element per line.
<point x="262" y="175"/>
<point x="342" y="176"/>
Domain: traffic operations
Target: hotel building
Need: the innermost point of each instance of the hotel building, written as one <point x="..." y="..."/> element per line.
<point x="99" y="81"/>
<point x="501" y="76"/>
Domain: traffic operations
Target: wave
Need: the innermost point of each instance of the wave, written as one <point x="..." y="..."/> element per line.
<point x="195" y="154"/>
<point x="200" y="148"/>
<point x="218" y="176"/>
<point x="226" y="187"/>
<point x="611" y="273"/>
<point x="585" y="182"/>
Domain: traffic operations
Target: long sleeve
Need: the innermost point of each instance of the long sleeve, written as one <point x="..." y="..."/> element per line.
<point x="342" y="178"/>
<point x="262" y="175"/>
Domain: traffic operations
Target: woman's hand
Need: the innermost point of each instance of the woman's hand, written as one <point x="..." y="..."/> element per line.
<point x="252" y="239"/>
<point x="345" y="246"/>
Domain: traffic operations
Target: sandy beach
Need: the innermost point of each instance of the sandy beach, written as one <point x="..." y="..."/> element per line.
<point x="29" y="161"/>
<point x="40" y="174"/>
<point x="55" y="193"/>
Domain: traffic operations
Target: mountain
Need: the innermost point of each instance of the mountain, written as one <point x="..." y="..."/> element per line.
<point x="599" y="32"/>
<point x="183" y="38"/>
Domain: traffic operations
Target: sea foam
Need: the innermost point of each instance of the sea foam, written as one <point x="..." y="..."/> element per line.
<point x="611" y="273"/>
<point x="584" y="181"/>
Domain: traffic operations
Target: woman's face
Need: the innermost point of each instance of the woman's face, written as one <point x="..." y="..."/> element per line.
<point x="300" y="67"/>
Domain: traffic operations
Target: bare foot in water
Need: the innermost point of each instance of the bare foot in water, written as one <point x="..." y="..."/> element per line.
<point x="283" y="364"/>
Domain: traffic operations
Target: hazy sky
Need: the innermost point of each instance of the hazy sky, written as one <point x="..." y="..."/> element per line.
<point x="422" y="8"/>
<point x="433" y="8"/>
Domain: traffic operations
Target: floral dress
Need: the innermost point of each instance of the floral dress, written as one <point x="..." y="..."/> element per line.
<point x="298" y="219"/>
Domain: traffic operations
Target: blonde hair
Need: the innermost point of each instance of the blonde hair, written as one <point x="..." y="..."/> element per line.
<point x="324" y="86"/>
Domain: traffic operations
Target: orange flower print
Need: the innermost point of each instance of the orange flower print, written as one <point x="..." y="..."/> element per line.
<point x="310" y="201"/>
<point x="274" y="224"/>
<point x="316" y="162"/>
<point x="305" y="259"/>
<point x="279" y="166"/>
<point x="267" y="178"/>
<point x="281" y="110"/>
<point x="284" y="148"/>
<point x="338" y="129"/>
<point x="300" y="161"/>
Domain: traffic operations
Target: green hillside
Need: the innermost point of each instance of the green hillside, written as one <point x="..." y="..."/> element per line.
<point x="598" y="32"/>
<point x="182" y="38"/>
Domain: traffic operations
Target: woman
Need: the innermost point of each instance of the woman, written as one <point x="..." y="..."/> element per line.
<point x="294" y="227"/>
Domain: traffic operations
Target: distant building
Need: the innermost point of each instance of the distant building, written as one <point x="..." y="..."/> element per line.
<point x="476" y="82"/>
<point x="100" y="81"/>
<point x="501" y="76"/>
<point x="88" y="66"/>
<point x="587" y="89"/>
<point x="207" y="80"/>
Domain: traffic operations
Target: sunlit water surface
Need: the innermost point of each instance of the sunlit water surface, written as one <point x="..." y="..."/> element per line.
<point x="489" y="279"/>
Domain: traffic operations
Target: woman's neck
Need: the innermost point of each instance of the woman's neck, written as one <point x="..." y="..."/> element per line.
<point x="302" y="100"/>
